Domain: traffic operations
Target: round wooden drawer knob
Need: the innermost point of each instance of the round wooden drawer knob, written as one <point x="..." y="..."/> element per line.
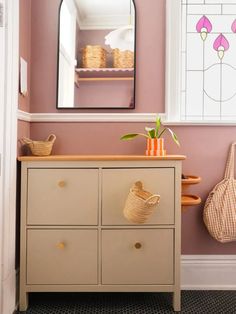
<point x="138" y="245"/>
<point x="61" y="184"/>
<point x="60" y="245"/>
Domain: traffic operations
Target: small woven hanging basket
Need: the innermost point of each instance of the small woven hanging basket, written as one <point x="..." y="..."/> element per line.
<point x="139" y="204"/>
<point x="123" y="59"/>
<point x="40" y="148"/>
<point x="94" y="57"/>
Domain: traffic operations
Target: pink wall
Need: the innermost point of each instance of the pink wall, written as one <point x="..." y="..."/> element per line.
<point x="25" y="47"/>
<point x="23" y="131"/>
<point x="206" y="147"/>
<point x="24" y="52"/>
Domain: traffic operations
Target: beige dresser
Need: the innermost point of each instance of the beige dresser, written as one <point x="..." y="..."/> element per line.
<point x="74" y="236"/>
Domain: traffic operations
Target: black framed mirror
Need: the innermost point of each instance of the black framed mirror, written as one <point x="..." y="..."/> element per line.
<point x="96" y="54"/>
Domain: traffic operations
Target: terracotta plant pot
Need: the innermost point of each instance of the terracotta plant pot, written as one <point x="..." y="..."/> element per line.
<point x="155" y="147"/>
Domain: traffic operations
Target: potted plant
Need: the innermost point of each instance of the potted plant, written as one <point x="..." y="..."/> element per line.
<point x="155" y="141"/>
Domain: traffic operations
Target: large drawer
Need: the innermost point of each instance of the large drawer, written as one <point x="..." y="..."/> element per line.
<point x="62" y="197"/>
<point x="116" y="184"/>
<point x="137" y="256"/>
<point x="61" y="257"/>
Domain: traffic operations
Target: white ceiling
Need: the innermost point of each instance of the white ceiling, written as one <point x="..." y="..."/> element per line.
<point x="103" y="14"/>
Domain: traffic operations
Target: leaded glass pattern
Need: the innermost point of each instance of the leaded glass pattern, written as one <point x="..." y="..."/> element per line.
<point x="208" y="90"/>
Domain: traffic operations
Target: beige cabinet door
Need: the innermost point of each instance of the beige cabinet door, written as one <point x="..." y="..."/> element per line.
<point x="62" y="197"/>
<point x="116" y="184"/>
<point x="143" y="256"/>
<point x="61" y="257"/>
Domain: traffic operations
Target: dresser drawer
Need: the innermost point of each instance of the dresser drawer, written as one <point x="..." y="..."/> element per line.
<point x="116" y="184"/>
<point x="62" y="197"/>
<point x="61" y="257"/>
<point x="137" y="256"/>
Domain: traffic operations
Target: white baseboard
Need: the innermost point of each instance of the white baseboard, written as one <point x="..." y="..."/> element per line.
<point x="208" y="272"/>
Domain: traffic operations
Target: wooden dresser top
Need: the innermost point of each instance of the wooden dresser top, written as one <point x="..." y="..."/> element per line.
<point x="99" y="157"/>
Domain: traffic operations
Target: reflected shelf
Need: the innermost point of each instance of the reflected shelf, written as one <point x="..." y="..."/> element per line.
<point x="104" y="69"/>
<point x="103" y="74"/>
<point x="87" y="79"/>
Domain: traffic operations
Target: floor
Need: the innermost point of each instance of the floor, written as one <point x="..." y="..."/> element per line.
<point x="193" y="302"/>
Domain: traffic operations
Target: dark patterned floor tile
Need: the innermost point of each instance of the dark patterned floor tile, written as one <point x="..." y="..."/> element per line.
<point x="193" y="302"/>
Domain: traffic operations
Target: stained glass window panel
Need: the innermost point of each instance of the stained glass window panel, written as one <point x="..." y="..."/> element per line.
<point x="208" y="90"/>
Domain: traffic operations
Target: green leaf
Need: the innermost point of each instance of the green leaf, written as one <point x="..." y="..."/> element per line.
<point x="158" y="125"/>
<point x="174" y="136"/>
<point x="130" y="136"/>
<point x="163" y="131"/>
<point x="148" y="129"/>
<point x="151" y="132"/>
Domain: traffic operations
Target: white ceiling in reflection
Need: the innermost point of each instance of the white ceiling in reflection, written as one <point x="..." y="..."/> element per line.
<point x="103" y="14"/>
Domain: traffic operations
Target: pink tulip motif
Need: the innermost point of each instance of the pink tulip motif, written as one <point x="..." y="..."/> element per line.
<point x="204" y="27"/>
<point x="221" y="44"/>
<point x="233" y="27"/>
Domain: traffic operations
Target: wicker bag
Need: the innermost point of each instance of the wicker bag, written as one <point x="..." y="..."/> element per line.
<point x="94" y="57"/>
<point x="219" y="213"/>
<point x="139" y="204"/>
<point x="40" y="148"/>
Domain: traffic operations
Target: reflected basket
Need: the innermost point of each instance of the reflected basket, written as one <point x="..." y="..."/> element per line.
<point x="123" y="59"/>
<point x="94" y="57"/>
<point x="140" y="204"/>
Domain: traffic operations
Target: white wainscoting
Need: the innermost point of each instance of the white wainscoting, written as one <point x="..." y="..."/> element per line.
<point x="208" y="272"/>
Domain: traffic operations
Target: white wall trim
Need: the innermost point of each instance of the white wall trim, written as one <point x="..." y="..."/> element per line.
<point x="24" y="116"/>
<point x="200" y="123"/>
<point x="208" y="272"/>
<point x="87" y="117"/>
<point x="8" y="152"/>
<point x="2" y="113"/>
<point x="173" y="59"/>
<point x="112" y="117"/>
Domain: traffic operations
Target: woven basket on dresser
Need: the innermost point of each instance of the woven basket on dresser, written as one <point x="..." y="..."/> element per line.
<point x="139" y="204"/>
<point x="40" y="148"/>
<point x="94" y="57"/>
<point x="123" y="59"/>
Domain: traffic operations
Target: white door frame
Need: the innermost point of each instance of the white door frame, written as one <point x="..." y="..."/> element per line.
<point x="2" y="74"/>
<point x="9" y="56"/>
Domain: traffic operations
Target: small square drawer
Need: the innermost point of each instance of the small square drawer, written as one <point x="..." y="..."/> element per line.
<point x="116" y="184"/>
<point x="61" y="257"/>
<point x="137" y="256"/>
<point x="62" y="197"/>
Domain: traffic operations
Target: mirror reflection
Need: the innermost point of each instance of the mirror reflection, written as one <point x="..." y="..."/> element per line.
<point x="96" y="54"/>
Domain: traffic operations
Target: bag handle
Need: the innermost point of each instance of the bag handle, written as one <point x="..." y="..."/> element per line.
<point x="153" y="199"/>
<point x="229" y="170"/>
<point x="51" y="138"/>
<point x="26" y="140"/>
